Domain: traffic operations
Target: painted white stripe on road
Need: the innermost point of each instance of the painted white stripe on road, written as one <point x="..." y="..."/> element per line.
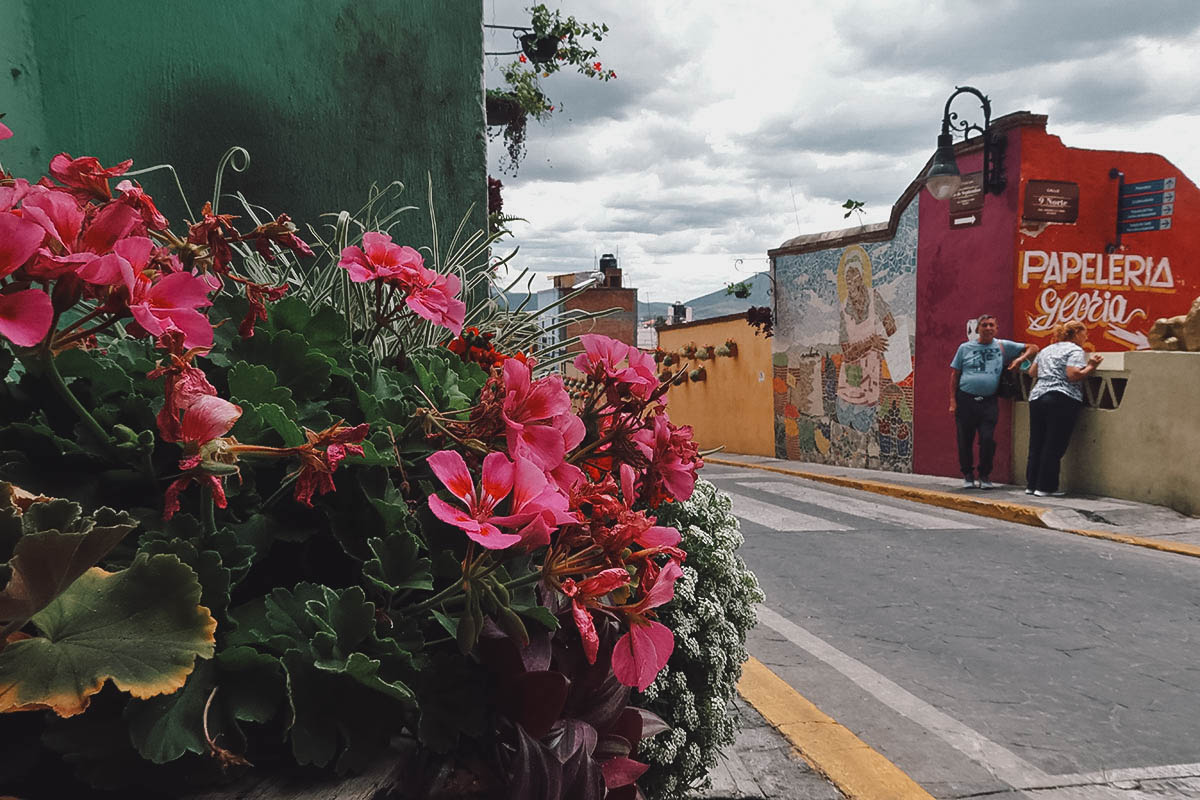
<point x="858" y="507"/>
<point x="1001" y="762"/>
<point x="778" y="518"/>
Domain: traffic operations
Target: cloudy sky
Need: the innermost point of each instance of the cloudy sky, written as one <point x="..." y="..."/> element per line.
<point x="733" y="126"/>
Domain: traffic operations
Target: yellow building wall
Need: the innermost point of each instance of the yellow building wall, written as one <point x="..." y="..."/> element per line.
<point x="733" y="407"/>
<point x="1146" y="448"/>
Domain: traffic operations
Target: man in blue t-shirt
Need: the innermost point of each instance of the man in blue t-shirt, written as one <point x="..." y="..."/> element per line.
<point x="976" y="369"/>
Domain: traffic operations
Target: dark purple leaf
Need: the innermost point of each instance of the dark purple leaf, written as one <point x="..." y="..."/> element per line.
<point x="652" y="724"/>
<point x="570" y="736"/>
<point x="583" y="777"/>
<point x="620" y="772"/>
<point x="612" y="746"/>
<point x="534" y="772"/>
<point x="534" y="699"/>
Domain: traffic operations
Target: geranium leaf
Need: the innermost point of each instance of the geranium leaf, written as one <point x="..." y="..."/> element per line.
<point x="539" y="614"/>
<point x="57" y="546"/>
<point x="255" y="383"/>
<point x="163" y="728"/>
<point x="105" y="377"/>
<point x="397" y="564"/>
<point x="142" y="627"/>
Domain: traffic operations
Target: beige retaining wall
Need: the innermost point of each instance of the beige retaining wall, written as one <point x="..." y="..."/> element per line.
<point x="1147" y="448"/>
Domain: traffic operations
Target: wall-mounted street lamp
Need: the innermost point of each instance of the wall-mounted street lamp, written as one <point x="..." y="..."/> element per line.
<point x="943" y="178"/>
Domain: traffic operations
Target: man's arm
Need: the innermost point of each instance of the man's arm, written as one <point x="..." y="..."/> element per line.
<point x="954" y="375"/>
<point x="1030" y="351"/>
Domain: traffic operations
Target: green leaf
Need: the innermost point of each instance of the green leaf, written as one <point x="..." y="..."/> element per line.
<point x="397" y="564"/>
<point x="539" y="614"/>
<point x="56" y="547"/>
<point x="105" y="378"/>
<point x="255" y="383"/>
<point x="142" y="627"/>
<point x="278" y="420"/>
<point x="163" y="728"/>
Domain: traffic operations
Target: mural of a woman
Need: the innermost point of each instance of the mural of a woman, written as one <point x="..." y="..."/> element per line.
<point x="865" y="326"/>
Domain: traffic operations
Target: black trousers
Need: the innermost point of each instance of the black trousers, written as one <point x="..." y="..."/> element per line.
<point x="1051" y="419"/>
<point x="976" y="417"/>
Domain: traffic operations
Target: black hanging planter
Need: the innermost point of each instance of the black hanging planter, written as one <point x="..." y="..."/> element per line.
<point x="539" y="49"/>
<point x="502" y="108"/>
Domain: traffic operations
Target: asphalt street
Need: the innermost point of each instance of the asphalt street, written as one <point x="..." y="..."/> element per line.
<point x="983" y="658"/>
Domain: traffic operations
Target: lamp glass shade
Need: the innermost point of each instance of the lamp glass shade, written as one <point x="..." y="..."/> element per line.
<point x="942" y="186"/>
<point x="943" y="178"/>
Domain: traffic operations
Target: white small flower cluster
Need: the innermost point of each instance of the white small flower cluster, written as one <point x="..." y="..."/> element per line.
<point x="711" y="613"/>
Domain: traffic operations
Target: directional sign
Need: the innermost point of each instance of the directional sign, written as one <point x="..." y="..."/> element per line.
<point x="1161" y="185"/>
<point x="1143" y="225"/>
<point x="1146" y="212"/>
<point x="1157" y="198"/>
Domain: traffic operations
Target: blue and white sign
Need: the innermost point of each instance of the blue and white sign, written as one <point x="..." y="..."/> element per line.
<point x="1144" y="225"/>
<point x="1154" y="199"/>
<point x="1145" y="187"/>
<point x="1146" y="212"/>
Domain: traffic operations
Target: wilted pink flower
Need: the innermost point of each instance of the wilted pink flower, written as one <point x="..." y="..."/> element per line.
<point x="586" y="593"/>
<point x="84" y="177"/>
<point x="320" y="457"/>
<point x="641" y="653"/>
<point x="208" y="418"/>
<point x="133" y="196"/>
<point x="5" y="132"/>
<point x="184" y="384"/>
<point x="25" y="316"/>
<point x="477" y="521"/>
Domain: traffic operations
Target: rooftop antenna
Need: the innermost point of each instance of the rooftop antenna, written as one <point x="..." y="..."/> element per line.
<point x="795" y="210"/>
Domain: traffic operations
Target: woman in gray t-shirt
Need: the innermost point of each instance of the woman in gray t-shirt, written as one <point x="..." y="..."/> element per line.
<point x="1054" y="405"/>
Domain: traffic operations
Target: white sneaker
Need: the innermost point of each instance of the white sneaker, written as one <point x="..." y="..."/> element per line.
<point x="1040" y="493"/>
<point x="1029" y="491"/>
<point x="984" y="483"/>
<point x="968" y="483"/>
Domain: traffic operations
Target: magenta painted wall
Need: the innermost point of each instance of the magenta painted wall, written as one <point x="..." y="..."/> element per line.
<point x="961" y="274"/>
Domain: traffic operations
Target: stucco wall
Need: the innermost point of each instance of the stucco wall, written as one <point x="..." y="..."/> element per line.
<point x="829" y="408"/>
<point x="1152" y="274"/>
<point x="1145" y="449"/>
<point x="962" y="273"/>
<point x="327" y="95"/>
<point x="733" y="406"/>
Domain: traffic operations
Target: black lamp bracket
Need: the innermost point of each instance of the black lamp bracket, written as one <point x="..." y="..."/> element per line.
<point x="517" y="32"/>
<point x="994" y="179"/>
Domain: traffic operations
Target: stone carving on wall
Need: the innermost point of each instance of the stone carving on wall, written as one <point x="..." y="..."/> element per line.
<point x="1177" y="333"/>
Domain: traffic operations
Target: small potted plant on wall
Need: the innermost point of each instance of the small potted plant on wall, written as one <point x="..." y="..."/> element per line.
<point x="698" y="374"/>
<point x="728" y="350"/>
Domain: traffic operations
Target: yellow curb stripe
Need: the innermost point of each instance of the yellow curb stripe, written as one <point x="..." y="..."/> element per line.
<point x="848" y="762"/>
<point x="997" y="509"/>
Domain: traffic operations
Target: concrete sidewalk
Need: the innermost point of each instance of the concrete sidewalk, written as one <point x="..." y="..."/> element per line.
<point x="1102" y="517"/>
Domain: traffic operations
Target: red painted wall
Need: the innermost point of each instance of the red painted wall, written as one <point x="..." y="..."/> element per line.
<point x="961" y="274"/>
<point x="1047" y="297"/>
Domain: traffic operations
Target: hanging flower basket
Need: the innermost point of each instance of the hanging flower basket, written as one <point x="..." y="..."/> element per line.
<point x="728" y="350"/>
<point x="539" y="49"/>
<point x="699" y="374"/>
<point x="503" y="108"/>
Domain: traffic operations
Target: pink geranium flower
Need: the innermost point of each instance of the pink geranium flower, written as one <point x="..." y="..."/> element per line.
<point x="379" y="259"/>
<point x="19" y="240"/>
<point x="171" y="302"/>
<point x="73" y="238"/>
<point x="184" y="384"/>
<point x="537" y="415"/>
<point x="25" y="316"/>
<point x="587" y="593"/>
<point x="5" y="132"/>
<point x="537" y="507"/>
<point x="602" y="361"/>
<point x="133" y="196"/>
<point x="641" y="653"/>
<point x="600" y="357"/>
<point x="84" y="177"/>
<point x="477" y="522"/>
<point x="674" y="458"/>
<point x="434" y="297"/>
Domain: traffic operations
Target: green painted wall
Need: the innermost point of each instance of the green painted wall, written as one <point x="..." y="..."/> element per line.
<point x="327" y="95"/>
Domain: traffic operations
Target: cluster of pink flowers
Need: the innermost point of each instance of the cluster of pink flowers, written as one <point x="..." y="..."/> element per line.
<point x="69" y="240"/>
<point x="427" y="294"/>
<point x="576" y="479"/>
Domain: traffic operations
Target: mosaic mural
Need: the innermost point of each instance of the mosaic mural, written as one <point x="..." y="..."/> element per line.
<point x="843" y="352"/>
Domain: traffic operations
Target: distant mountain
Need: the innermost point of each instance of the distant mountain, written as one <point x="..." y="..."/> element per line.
<point x="718" y="303"/>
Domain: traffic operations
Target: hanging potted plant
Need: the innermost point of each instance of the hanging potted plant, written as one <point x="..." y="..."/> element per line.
<point x="698" y="374"/>
<point x="739" y="290"/>
<point x="728" y="350"/>
<point x="540" y="49"/>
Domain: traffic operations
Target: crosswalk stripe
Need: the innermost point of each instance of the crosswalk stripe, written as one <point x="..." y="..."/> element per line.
<point x="778" y="518"/>
<point x="858" y="507"/>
